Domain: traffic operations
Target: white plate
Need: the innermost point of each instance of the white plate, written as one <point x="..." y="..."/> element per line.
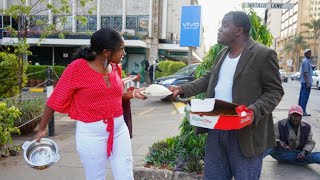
<point x="155" y="96"/>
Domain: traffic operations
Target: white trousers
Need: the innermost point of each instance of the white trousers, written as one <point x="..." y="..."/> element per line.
<point x="91" y="142"/>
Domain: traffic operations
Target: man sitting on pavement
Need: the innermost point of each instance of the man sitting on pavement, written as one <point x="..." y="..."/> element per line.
<point x="294" y="140"/>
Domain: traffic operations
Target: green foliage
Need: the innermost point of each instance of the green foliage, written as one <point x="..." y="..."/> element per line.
<point x="162" y="154"/>
<point x="37" y="72"/>
<point x="24" y="16"/>
<point x="9" y="76"/>
<point x="123" y="74"/>
<point x="169" y="67"/>
<point x="7" y="117"/>
<point x="30" y="109"/>
<point x="259" y="31"/>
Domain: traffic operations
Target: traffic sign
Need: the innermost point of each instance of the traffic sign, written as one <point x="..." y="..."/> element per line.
<point x="268" y="5"/>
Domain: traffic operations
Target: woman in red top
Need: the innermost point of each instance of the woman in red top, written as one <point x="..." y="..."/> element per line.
<point x="90" y="91"/>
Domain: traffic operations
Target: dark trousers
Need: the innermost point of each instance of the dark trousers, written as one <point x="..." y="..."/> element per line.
<point x="304" y="96"/>
<point x="291" y="156"/>
<point x="224" y="160"/>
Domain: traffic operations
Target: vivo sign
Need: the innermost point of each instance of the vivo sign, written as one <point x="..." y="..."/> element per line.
<point x="190" y="26"/>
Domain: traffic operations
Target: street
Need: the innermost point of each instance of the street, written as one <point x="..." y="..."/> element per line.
<point x="154" y="120"/>
<point x="274" y="170"/>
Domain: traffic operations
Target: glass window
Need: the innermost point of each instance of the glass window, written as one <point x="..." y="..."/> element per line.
<point x="131" y="22"/>
<point x="106" y="22"/>
<point x="6" y="21"/>
<point x="295" y="18"/>
<point x="143" y="23"/>
<point x="92" y="23"/>
<point x="295" y="8"/>
<point x="117" y="23"/>
<point x="63" y="22"/>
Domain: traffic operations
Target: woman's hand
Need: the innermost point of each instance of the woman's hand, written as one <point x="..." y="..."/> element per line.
<point x="39" y="135"/>
<point x="137" y="93"/>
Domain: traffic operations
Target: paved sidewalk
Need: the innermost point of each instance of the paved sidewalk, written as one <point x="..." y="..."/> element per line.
<point x="153" y="120"/>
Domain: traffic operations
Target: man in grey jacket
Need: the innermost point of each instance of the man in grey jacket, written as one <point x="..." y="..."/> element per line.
<point x="247" y="73"/>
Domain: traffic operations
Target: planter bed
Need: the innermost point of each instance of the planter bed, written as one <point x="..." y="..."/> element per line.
<point x="143" y="173"/>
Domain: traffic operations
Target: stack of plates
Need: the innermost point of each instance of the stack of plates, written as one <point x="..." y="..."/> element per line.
<point x="156" y="91"/>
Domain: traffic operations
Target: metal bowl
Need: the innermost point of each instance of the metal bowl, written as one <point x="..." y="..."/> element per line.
<point x="41" y="155"/>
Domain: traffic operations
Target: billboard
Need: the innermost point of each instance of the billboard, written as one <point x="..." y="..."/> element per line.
<point x="190" y="26"/>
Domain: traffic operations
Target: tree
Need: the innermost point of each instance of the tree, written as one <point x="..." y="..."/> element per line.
<point x="314" y="28"/>
<point x="294" y="46"/>
<point x="24" y="13"/>
<point x="259" y="31"/>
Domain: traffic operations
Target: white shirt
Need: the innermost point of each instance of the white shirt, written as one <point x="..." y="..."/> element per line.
<point x="223" y="90"/>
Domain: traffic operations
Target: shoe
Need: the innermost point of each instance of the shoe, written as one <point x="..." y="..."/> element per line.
<point x="306" y="114"/>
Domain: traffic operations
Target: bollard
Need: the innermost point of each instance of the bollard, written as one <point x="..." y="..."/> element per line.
<point x="49" y="91"/>
<point x="138" y="81"/>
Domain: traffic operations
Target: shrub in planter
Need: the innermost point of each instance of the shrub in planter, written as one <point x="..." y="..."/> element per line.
<point x="36" y="74"/>
<point x="169" y="67"/>
<point x="30" y="109"/>
<point x="7" y="117"/>
<point x="175" y="66"/>
<point x="9" y="76"/>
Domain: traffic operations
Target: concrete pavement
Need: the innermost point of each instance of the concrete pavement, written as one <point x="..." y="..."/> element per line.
<point x="153" y="120"/>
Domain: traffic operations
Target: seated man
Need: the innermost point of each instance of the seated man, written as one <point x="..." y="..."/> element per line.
<point x="294" y="140"/>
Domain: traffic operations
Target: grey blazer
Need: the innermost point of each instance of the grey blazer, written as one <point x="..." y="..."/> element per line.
<point x="256" y="84"/>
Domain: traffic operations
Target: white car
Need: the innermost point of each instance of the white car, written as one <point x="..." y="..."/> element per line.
<point x="316" y="79"/>
<point x="295" y="76"/>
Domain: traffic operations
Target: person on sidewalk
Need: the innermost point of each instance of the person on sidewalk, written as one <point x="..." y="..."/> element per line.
<point x="306" y="81"/>
<point x="294" y="140"/>
<point x="90" y="90"/>
<point x="151" y="71"/>
<point x="245" y="72"/>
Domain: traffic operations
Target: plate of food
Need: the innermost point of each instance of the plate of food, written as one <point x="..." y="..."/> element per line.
<point x="156" y="91"/>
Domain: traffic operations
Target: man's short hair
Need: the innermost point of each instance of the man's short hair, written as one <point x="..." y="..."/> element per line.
<point x="241" y="19"/>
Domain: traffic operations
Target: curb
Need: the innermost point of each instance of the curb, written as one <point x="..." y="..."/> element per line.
<point x="37" y="89"/>
<point x="144" y="173"/>
<point x="179" y="107"/>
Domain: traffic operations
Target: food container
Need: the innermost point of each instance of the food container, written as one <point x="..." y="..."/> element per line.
<point x="211" y="113"/>
<point x="41" y="155"/>
<point x="156" y="91"/>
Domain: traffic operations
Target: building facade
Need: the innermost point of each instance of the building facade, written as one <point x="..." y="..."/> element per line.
<point x="151" y="29"/>
<point x="292" y="21"/>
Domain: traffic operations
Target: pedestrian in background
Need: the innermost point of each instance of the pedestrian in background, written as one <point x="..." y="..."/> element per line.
<point x="90" y="91"/>
<point x="306" y="73"/>
<point x="152" y="70"/>
<point x="294" y="140"/>
<point x="245" y="72"/>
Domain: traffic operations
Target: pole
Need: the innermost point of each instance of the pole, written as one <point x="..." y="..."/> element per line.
<point x="49" y="92"/>
<point x="154" y="71"/>
<point x="189" y="55"/>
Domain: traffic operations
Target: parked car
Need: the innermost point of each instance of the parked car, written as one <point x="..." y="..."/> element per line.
<point x="182" y="76"/>
<point x="316" y="79"/>
<point x="283" y="76"/>
<point x="295" y="76"/>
